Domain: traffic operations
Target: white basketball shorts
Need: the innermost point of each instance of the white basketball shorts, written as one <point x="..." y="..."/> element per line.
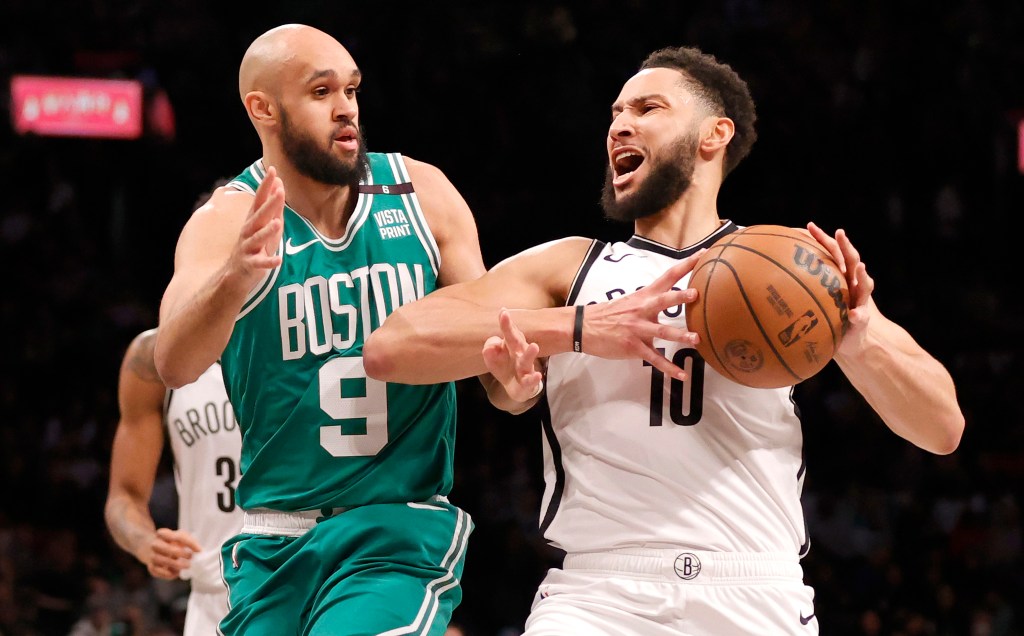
<point x="673" y="592"/>
<point x="204" y="612"/>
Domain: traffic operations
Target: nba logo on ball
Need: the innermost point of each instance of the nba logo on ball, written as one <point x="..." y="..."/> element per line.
<point x="687" y="566"/>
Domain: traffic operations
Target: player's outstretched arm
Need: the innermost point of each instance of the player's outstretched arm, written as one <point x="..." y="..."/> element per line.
<point x="441" y="337"/>
<point x="909" y="389"/>
<point x="223" y="252"/>
<point x="138" y="443"/>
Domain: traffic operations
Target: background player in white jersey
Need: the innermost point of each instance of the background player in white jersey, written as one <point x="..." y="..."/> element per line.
<point x="205" y="443"/>
<point x="675" y="492"/>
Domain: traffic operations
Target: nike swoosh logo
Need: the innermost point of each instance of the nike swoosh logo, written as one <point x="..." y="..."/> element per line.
<point x="804" y="621"/>
<point x="290" y="249"/>
<point x="619" y="259"/>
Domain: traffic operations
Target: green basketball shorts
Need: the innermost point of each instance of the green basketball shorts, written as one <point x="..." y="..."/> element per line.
<point x="382" y="569"/>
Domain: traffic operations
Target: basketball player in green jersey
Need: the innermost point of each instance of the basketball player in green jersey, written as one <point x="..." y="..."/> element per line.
<point x="282" y="276"/>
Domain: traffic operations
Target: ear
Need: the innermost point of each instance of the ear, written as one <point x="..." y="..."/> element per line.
<point x="716" y="133"/>
<point x="261" y="108"/>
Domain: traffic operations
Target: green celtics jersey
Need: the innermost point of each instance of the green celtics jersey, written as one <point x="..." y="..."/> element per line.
<point x="317" y="432"/>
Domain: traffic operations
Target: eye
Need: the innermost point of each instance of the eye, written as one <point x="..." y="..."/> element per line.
<point x="351" y="90"/>
<point x="321" y="91"/>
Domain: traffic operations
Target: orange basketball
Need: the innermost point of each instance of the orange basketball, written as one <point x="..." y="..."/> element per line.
<point x="772" y="306"/>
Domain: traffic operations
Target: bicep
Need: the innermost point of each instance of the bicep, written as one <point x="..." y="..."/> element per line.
<point x="537" y="278"/>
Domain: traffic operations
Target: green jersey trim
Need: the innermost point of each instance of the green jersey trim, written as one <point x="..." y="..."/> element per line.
<point x="265" y="284"/>
<point x="419" y="220"/>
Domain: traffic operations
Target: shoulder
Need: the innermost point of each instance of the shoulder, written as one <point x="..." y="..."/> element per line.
<point x="552" y="266"/>
<point x="215" y="224"/>
<point x="558" y="254"/>
<point x="225" y="204"/>
<point x="142" y="342"/>
<point x="433" y="187"/>
<point x="450" y="220"/>
<point x="424" y="174"/>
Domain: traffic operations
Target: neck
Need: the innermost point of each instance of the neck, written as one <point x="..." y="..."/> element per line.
<point x="686" y="222"/>
<point x="328" y="207"/>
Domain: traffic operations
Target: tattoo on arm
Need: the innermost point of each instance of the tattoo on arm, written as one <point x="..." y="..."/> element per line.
<point x="141" y="361"/>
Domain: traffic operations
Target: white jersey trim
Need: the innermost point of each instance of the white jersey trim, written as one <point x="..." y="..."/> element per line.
<point x="412" y="202"/>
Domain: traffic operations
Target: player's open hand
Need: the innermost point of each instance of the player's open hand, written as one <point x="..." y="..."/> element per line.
<point x="513" y="361"/>
<point x="861" y="285"/>
<point x="170" y="552"/>
<point x="258" y="242"/>
<point x="627" y="326"/>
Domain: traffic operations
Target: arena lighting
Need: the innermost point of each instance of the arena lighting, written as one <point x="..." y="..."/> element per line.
<point x="76" y="107"/>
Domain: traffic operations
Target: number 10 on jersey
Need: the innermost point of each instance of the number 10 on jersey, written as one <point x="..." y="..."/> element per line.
<point x="686" y="399"/>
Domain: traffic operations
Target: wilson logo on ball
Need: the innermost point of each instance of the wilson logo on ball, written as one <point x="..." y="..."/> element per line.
<point x="830" y="280"/>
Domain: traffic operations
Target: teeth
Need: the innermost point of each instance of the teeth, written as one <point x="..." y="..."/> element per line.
<point x="622" y="163"/>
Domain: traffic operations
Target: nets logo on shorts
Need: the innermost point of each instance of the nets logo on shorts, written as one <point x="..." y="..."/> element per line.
<point x="687" y="566"/>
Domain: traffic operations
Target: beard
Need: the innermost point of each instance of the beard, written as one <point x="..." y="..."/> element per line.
<point x="671" y="173"/>
<point x="317" y="162"/>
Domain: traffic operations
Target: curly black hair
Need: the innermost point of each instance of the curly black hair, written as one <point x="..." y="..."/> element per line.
<point x="719" y="88"/>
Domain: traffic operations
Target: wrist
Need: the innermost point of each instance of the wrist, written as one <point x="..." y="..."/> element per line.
<point x="551" y="328"/>
<point x="577" y="330"/>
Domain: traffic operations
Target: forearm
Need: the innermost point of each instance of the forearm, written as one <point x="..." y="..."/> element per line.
<point x="194" y="333"/>
<point x="130" y="525"/>
<point x="418" y="345"/>
<point x="910" y="390"/>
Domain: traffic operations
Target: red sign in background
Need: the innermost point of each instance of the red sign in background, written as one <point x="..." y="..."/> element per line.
<point x="73" y="107"/>
<point x="1020" y="145"/>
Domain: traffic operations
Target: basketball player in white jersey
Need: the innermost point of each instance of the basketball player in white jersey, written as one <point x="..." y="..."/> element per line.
<point x="674" y="491"/>
<point x="205" y="442"/>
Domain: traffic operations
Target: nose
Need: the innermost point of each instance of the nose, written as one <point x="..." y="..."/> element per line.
<point x="346" y="108"/>
<point x="622" y="126"/>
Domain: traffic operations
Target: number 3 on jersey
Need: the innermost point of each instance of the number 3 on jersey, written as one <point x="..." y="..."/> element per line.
<point x="686" y="399"/>
<point x="339" y="379"/>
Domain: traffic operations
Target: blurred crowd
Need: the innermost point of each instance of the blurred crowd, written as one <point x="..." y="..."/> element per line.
<point x="894" y="120"/>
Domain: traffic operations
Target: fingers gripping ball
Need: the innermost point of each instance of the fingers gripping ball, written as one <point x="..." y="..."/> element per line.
<point x="772" y="306"/>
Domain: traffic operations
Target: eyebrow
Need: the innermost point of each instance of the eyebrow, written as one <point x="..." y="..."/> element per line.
<point x="330" y="72"/>
<point x="633" y="101"/>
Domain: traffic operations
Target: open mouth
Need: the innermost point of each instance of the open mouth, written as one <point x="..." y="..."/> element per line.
<point x="626" y="163"/>
<point x="346" y="136"/>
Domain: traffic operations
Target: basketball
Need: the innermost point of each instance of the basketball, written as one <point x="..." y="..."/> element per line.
<point x="772" y="306"/>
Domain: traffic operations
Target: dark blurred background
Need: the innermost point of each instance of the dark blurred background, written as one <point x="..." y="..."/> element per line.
<point x="897" y="120"/>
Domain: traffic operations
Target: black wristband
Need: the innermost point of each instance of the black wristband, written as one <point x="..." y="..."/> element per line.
<point x="577" y="330"/>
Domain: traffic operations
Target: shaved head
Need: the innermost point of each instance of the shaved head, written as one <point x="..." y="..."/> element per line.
<point x="281" y="52"/>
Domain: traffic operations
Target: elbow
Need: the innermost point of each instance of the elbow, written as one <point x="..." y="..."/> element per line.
<point x="952" y="432"/>
<point x="170" y="375"/>
<point x="378" y="359"/>
<point x="945" y="434"/>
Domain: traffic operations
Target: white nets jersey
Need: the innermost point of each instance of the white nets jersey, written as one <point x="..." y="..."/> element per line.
<point x="206" y="444"/>
<point x="633" y="458"/>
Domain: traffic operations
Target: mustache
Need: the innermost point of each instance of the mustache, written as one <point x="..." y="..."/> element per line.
<point x="344" y="123"/>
